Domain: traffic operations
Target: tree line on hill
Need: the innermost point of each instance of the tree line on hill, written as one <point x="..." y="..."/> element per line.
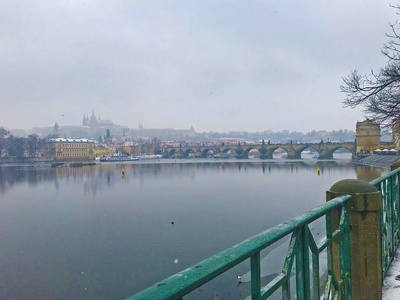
<point x="283" y="136"/>
<point x="13" y="146"/>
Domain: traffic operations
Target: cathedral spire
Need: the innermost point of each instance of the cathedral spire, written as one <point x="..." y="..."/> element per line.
<point x="55" y="129"/>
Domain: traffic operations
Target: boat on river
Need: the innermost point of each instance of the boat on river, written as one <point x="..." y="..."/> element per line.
<point x="118" y="159"/>
<point x="222" y="155"/>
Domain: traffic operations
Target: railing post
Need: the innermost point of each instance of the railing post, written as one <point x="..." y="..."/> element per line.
<point x="365" y="237"/>
<point x="255" y="263"/>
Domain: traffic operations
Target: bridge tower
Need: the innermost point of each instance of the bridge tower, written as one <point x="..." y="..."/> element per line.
<point x="396" y="134"/>
<point x="368" y="136"/>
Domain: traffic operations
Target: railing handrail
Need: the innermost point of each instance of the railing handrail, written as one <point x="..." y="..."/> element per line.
<point x="388" y="185"/>
<point x="189" y="279"/>
<point x="384" y="177"/>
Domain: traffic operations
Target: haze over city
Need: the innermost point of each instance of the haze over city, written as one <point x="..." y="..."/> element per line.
<point x="219" y="66"/>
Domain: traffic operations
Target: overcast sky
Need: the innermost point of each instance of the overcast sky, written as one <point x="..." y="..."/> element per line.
<point x="216" y="65"/>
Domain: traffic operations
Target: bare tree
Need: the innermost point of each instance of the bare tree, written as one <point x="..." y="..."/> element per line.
<point x="32" y="143"/>
<point x="4" y="134"/>
<point x="378" y="92"/>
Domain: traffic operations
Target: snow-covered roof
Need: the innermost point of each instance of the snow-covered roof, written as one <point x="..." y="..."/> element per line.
<point x="70" y="140"/>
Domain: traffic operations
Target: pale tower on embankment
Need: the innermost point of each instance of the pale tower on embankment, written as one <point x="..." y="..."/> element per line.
<point x="368" y="136"/>
<point x="396" y="135"/>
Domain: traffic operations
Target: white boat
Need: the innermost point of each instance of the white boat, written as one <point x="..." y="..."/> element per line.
<point x="222" y="155"/>
<point x="118" y="159"/>
<point x="150" y="156"/>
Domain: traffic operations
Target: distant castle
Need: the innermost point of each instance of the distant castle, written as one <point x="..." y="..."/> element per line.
<point x="93" y="127"/>
<point x="94" y="122"/>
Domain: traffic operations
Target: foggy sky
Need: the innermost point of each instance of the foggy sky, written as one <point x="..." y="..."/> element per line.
<point x="216" y="65"/>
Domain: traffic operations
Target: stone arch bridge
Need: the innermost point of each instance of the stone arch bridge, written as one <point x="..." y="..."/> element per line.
<point x="325" y="150"/>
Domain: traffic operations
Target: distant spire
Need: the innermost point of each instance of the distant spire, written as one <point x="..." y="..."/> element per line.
<point x="93" y="121"/>
<point x="55" y="129"/>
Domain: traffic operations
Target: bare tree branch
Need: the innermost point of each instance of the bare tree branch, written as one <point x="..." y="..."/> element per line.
<point x="378" y="92"/>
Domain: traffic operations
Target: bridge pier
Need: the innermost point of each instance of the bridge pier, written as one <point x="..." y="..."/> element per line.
<point x="269" y="154"/>
<point x="293" y="154"/>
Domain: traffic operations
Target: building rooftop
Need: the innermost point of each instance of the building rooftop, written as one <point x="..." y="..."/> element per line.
<point x="71" y="140"/>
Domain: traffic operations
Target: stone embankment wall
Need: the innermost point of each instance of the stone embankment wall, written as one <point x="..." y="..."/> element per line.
<point x="381" y="161"/>
<point x="15" y="160"/>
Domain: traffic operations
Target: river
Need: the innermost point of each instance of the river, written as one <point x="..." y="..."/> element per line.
<point x="92" y="233"/>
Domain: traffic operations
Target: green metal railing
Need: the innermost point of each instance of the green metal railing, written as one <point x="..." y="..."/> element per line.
<point x="388" y="185"/>
<point x="302" y="243"/>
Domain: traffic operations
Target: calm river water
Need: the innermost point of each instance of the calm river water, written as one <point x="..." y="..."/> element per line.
<point x="88" y="233"/>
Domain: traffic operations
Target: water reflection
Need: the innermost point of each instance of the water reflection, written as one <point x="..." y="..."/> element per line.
<point x="11" y="176"/>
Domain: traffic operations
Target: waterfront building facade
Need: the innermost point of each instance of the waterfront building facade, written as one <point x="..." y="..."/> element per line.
<point x="104" y="150"/>
<point x="62" y="149"/>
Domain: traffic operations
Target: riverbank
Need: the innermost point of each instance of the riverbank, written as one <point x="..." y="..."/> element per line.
<point x="381" y="161"/>
<point x="39" y="162"/>
<point x="25" y="160"/>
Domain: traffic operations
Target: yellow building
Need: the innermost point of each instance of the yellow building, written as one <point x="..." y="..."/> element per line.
<point x="71" y="149"/>
<point x="102" y="151"/>
<point x="368" y="136"/>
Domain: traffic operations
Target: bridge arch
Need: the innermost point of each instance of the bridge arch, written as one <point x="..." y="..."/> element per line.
<point x="336" y="152"/>
<point x="270" y="152"/>
<point x="179" y="153"/>
<point x="308" y="152"/>
<point x="258" y="152"/>
<point x="226" y="150"/>
<point x="235" y="150"/>
<point x="331" y="148"/>
<point x="208" y="151"/>
<point x="187" y="152"/>
<point x="170" y="153"/>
